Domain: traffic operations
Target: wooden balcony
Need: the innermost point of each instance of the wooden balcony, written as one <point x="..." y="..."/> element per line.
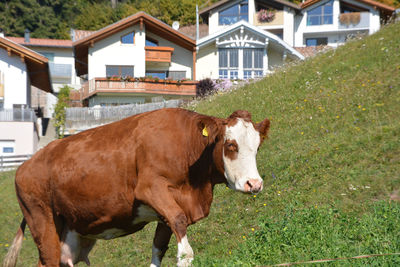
<point x="135" y="86"/>
<point x="158" y="53"/>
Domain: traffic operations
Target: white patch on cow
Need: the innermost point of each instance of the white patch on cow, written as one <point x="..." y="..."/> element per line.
<point x="185" y="253"/>
<point x="145" y="214"/>
<point x="155" y="257"/>
<point x="244" y="167"/>
<point x="70" y="248"/>
<point x="75" y="248"/>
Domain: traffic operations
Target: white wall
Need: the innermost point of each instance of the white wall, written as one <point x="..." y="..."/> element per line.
<point x="23" y="133"/>
<point x="15" y="80"/>
<point x="61" y="56"/>
<point x="288" y="26"/>
<point x="207" y="62"/>
<point x="110" y="51"/>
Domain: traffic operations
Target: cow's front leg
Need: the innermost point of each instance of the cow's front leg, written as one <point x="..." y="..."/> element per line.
<point x="160" y="244"/>
<point x="160" y="198"/>
<point x="185" y="252"/>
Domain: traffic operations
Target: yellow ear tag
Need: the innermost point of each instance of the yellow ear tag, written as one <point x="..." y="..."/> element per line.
<point x="205" y="132"/>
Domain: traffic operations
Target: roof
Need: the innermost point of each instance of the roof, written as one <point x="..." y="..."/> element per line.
<point x="190" y="30"/>
<point x="79" y="34"/>
<point x="272" y="37"/>
<point x="42" y="42"/>
<point x="222" y="2"/>
<point x="152" y="24"/>
<point x="37" y="65"/>
<point x="383" y="7"/>
<point x="310" y="51"/>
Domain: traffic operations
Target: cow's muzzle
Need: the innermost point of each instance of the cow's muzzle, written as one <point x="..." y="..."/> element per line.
<point x="253" y="186"/>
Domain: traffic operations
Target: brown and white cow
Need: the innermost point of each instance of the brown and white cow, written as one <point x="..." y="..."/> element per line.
<point x="112" y="180"/>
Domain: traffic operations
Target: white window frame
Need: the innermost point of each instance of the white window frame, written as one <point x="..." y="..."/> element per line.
<point x="231" y="70"/>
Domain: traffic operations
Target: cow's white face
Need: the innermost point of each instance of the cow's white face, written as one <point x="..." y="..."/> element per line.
<point x="241" y="143"/>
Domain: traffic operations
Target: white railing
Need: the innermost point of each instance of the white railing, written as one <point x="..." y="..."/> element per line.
<point x="17" y="114"/>
<point x="79" y="119"/>
<point x="11" y="162"/>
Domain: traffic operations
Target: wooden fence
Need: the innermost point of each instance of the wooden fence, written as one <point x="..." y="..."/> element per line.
<point x="11" y="162"/>
<point x="79" y="119"/>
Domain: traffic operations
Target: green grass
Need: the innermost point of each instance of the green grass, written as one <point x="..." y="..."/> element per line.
<point x="330" y="166"/>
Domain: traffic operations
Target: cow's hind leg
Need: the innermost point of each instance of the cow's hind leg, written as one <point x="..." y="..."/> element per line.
<point x="160" y="244"/>
<point x="45" y="230"/>
<point x="44" y="233"/>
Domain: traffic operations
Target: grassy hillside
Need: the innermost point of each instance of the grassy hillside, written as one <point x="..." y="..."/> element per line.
<point x="331" y="167"/>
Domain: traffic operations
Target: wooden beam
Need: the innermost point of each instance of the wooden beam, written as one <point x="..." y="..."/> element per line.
<point x="22" y="58"/>
<point x="194" y="64"/>
<point x="9" y="52"/>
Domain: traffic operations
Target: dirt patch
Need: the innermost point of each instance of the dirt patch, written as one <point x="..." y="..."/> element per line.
<point x="395" y="195"/>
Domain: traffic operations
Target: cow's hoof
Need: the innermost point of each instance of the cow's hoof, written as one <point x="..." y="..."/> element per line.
<point x="185" y="262"/>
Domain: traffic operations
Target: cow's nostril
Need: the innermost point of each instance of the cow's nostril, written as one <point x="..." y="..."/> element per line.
<point x="253" y="185"/>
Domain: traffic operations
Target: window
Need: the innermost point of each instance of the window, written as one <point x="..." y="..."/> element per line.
<point x="8" y="150"/>
<point x="234" y="14"/>
<point x="171" y="74"/>
<point x="7" y="147"/>
<point x="157" y="74"/>
<point x="121" y="71"/>
<point x="49" y="56"/>
<point x="151" y="42"/>
<point x="176" y="75"/>
<point x="228" y="60"/>
<point x="128" y="39"/>
<point x="321" y="15"/>
<point x="253" y="63"/>
<point x="316" y="41"/>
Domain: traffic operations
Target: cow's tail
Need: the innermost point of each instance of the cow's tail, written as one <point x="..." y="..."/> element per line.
<point x="11" y="258"/>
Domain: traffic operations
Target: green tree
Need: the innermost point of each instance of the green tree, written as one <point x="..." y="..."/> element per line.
<point x="60" y="110"/>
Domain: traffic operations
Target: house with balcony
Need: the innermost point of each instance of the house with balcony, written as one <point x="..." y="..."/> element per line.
<point x="20" y="70"/>
<point x="333" y="22"/>
<point x="312" y="23"/>
<point x="138" y="59"/>
<point x="242" y="45"/>
<point x="61" y="65"/>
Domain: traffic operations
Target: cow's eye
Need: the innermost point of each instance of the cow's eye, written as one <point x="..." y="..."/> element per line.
<point x="232" y="147"/>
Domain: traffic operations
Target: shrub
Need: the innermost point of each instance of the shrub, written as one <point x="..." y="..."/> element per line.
<point x="205" y="87"/>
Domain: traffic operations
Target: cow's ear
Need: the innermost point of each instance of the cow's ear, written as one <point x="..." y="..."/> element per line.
<point x="263" y="128"/>
<point x="210" y="129"/>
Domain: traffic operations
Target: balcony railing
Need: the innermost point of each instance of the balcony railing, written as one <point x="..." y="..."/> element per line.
<point x="17" y="114"/>
<point x="355" y="20"/>
<point x="140" y="86"/>
<point x="60" y="70"/>
<point x="277" y="21"/>
<point x="158" y="54"/>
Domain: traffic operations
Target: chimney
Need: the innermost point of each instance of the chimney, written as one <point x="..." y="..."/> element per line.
<point x="1" y="33"/>
<point x="27" y="36"/>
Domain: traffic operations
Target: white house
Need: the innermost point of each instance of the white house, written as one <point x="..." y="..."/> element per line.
<point x="332" y="22"/>
<point x="61" y="64"/>
<point x="312" y="23"/>
<point x="241" y="51"/>
<point x="20" y="69"/>
<point x="117" y="58"/>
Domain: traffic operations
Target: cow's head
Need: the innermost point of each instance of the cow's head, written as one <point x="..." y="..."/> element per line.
<point x="237" y="144"/>
<point x="241" y="141"/>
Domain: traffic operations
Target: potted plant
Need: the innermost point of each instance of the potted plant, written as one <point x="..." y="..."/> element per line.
<point x="266" y="15"/>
